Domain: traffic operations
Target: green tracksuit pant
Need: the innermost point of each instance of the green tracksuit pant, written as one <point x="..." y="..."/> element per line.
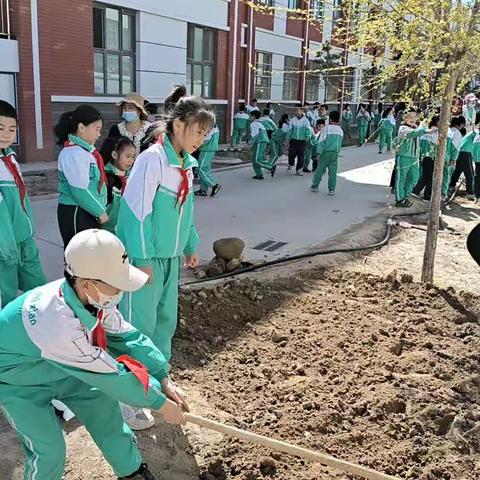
<point x="276" y="149"/>
<point x="237" y="135"/>
<point x="447" y="175"/>
<point x="309" y="151"/>
<point x="29" y="411"/>
<point x="26" y="275"/>
<point x="385" y="139"/>
<point x="346" y="128"/>
<point x="258" y="160"/>
<point x="207" y="180"/>
<point x="153" y="309"/>
<point x="327" y="161"/>
<point x="362" y="133"/>
<point x="407" y="173"/>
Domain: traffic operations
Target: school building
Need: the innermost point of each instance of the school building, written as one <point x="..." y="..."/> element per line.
<point x="56" y="54"/>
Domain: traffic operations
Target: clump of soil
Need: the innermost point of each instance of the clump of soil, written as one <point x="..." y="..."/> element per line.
<point x="379" y="371"/>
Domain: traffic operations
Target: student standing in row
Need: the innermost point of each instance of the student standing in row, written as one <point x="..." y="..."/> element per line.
<point x="347" y="117"/>
<point x="407" y="159"/>
<point x="312" y="114"/>
<point x="119" y="155"/>
<point x="363" y="119"/>
<point x="328" y="147"/>
<point x="156" y="223"/>
<point x="376" y="117"/>
<point x="259" y="141"/>
<point x="323" y="113"/>
<point x="82" y="201"/>
<point x="20" y="266"/>
<point x="271" y="111"/>
<point x="278" y="139"/>
<point x="385" y="130"/>
<point x="205" y="162"/>
<point x="428" y="154"/>
<point x="268" y="123"/>
<point x="240" y="122"/>
<point x="67" y="341"/>
<point x="476" y="160"/>
<point x="452" y="152"/>
<point x="298" y="135"/>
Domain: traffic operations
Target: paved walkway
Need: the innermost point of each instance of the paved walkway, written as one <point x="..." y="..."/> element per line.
<point x="276" y="210"/>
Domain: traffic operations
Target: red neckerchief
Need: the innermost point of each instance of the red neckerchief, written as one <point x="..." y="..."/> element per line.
<point x="99" y="336"/>
<point x="100" y="164"/>
<point x="184" y="189"/>
<point x="12" y="168"/>
<point x="123" y="179"/>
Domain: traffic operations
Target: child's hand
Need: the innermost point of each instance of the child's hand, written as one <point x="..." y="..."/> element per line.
<point x="192" y="261"/>
<point x="148" y="269"/>
<point x="103" y="218"/>
<point x="172" y="413"/>
<point x="175" y="393"/>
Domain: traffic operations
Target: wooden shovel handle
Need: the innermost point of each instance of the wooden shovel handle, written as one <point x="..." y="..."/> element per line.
<point x="289" y="448"/>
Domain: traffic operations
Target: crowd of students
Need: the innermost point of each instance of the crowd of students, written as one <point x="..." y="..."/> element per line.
<point x="99" y="340"/>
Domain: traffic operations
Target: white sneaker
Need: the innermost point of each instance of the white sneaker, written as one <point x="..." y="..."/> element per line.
<point x="331" y="192"/>
<point x="314" y="189"/>
<point x="299" y="173"/>
<point x="137" y="418"/>
<point x="289" y="169"/>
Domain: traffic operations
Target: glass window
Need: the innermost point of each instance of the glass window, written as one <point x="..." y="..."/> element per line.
<point x="201" y="61"/>
<point x="337" y="11"/>
<point x="114" y="55"/>
<point x="291" y="78"/>
<point x="312" y="81"/>
<point x="295" y="4"/>
<point x="263" y="76"/>
<point x="333" y="86"/>
<point x="112" y="29"/>
<point x="316" y="8"/>
<point x="99" y="76"/>
<point x="268" y="3"/>
<point x="113" y="74"/>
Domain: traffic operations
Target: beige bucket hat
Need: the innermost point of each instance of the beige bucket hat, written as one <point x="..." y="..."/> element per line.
<point x="135" y="99"/>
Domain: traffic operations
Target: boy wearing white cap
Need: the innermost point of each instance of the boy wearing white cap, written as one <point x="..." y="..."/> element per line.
<point x="67" y="341"/>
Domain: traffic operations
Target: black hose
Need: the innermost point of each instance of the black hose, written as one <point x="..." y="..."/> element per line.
<point x="301" y="256"/>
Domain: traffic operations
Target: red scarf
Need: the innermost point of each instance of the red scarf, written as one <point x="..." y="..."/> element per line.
<point x="100" y="164"/>
<point x="12" y="168"/>
<point x="123" y="179"/>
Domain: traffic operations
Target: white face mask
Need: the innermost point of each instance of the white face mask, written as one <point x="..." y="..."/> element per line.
<point x="105" y="302"/>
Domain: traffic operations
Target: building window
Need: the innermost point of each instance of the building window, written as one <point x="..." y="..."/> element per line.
<point x="337" y="11"/>
<point x="291" y="78"/>
<point x="316" y="9"/>
<point x="268" y="3"/>
<point x="114" y="50"/>
<point x="201" y="61"/>
<point x="333" y="87"/>
<point x="312" y="81"/>
<point x="263" y="75"/>
<point x="295" y="4"/>
<point x="243" y="38"/>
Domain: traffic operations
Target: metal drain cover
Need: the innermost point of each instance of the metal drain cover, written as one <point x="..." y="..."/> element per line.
<point x="270" y="246"/>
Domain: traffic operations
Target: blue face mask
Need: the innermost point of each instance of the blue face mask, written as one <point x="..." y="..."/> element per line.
<point x="130" y="116"/>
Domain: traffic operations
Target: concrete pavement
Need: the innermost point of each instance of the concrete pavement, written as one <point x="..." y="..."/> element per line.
<point x="281" y="213"/>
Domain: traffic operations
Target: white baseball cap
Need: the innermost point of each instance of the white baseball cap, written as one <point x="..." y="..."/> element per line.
<point x="99" y="255"/>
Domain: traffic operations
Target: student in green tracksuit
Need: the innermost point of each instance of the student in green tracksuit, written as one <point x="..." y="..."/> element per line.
<point x="376" y="117"/>
<point x="67" y="341"/>
<point x="20" y="266"/>
<point x="407" y="158"/>
<point x="347" y="117"/>
<point x="119" y="155"/>
<point x="259" y="141"/>
<point x="205" y="161"/>
<point x="363" y="119"/>
<point x="240" y="121"/>
<point x="476" y="161"/>
<point x="452" y="151"/>
<point x="385" y="130"/>
<point x="298" y="135"/>
<point x="328" y="147"/>
<point x="268" y="123"/>
<point x="278" y="139"/>
<point x="82" y="200"/>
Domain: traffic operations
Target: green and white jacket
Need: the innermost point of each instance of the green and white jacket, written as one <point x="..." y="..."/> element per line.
<point x="114" y="195"/>
<point x="79" y="177"/>
<point x="151" y="222"/>
<point x="429" y="145"/>
<point x="363" y="118"/>
<point x="240" y="120"/>
<point x="476" y="148"/>
<point x="210" y="143"/>
<point x="347" y="117"/>
<point x="299" y="128"/>
<point x="46" y="336"/>
<point x="258" y="133"/>
<point x="330" y="139"/>
<point x="407" y="142"/>
<point x="16" y="223"/>
<point x="268" y="123"/>
<point x="454" y="143"/>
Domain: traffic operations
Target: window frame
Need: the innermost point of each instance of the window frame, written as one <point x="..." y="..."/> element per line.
<point x="294" y="4"/>
<point x="287" y="80"/>
<point x="191" y="61"/>
<point x="316" y="77"/>
<point x="266" y="74"/>
<point x="317" y="9"/>
<point x="120" y="53"/>
<point x="267" y="3"/>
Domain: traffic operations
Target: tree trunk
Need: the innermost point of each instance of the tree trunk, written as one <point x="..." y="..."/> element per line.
<point x="434" y="218"/>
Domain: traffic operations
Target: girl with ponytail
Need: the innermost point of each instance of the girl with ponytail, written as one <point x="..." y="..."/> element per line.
<point x="156" y="222"/>
<point x="82" y="187"/>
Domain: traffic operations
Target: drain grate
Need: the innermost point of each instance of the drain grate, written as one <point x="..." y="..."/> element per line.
<point x="270" y="246"/>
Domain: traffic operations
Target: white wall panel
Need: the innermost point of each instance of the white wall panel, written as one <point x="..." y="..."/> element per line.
<point x="9" y="56"/>
<point x="272" y="42"/>
<point x="156" y="85"/>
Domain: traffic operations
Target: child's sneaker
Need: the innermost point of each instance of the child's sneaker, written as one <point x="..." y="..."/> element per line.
<point x="314" y="189"/>
<point x="299" y="173"/>
<point x="289" y="169"/>
<point x="258" y="177"/>
<point x="215" y="189"/>
<point x="331" y="192"/>
<point x="273" y="170"/>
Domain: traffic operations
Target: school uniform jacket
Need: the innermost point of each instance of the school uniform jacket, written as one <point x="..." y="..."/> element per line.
<point x="476" y="148"/>
<point x="330" y="139"/>
<point x="454" y="143"/>
<point x="46" y="336"/>
<point x="116" y="184"/>
<point x="79" y="178"/>
<point x="299" y="128"/>
<point x="211" y="140"/>
<point x="407" y="142"/>
<point x="153" y="222"/>
<point x="429" y="145"/>
<point x="268" y="123"/>
<point x="363" y="118"/>
<point x="258" y="133"/>
<point x="240" y="120"/>
<point x="16" y="217"/>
